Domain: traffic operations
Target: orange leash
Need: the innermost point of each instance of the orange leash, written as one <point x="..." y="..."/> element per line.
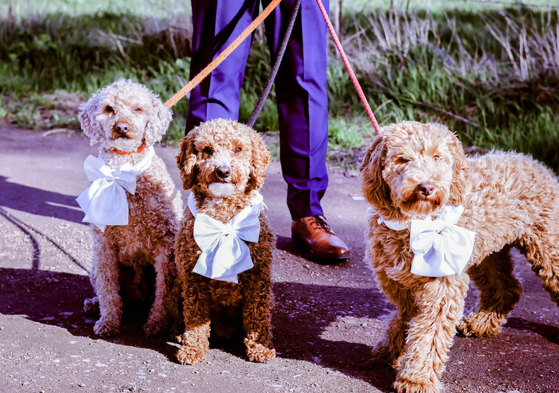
<point x="223" y="55"/>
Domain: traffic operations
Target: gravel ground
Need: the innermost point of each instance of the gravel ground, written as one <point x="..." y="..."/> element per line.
<point x="325" y="320"/>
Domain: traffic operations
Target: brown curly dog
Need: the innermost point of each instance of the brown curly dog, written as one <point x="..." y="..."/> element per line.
<point x="223" y="163"/>
<point x="414" y="170"/>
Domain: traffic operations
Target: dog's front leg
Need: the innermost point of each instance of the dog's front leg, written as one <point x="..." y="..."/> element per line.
<point x="196" y="311"/>
<point x="440" y="303"/>
<point x="257" y="309"/>
<point x="158" y="316"/>
<point x="390" y="348"/>
<point x="104" y="277"/>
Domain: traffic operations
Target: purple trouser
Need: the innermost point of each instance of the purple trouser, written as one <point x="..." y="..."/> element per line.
<point x="302" y="100"/>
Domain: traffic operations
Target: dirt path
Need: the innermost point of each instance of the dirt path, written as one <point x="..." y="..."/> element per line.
<point x="325" y="321"/>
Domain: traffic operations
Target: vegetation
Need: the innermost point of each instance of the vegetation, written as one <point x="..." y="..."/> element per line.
<point x="490" y="74"/>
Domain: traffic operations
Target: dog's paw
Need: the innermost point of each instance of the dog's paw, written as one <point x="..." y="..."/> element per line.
<point x="402" y="385"/>
<point x="106" y="327"/>
<point x="257" y="352"/>
<point x="155" y="326"/>
<point x="379" y="356"/>
<point x="188" y="354"/>
<point x="91" y="306"/>
<point x="194" y="345"/>
<point x="481" y="324"/>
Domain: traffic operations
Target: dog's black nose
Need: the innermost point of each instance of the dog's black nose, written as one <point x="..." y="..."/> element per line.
<point x="223" y="172"/>
<point x="426" y="188"/>
<point x="122" y="127"/>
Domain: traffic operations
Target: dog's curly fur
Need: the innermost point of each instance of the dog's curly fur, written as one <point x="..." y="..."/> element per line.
<point x="212" y="145"/>
<point x="154" y="211"/>
<point x="509" y="200"/>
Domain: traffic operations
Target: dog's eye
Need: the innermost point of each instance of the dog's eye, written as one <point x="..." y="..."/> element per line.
<point x="238" y="149"/>
<point x="402" y="160"/>
<point x="139" y="110"/>
<point x="436" y="157"/>
<point x="108" y="109"/>
<point x="208" y="150"/>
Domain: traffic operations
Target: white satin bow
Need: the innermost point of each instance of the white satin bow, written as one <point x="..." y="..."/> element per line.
<point x="224" y="251"/>
<point x="104" y="201"/>
<point x="441" y="248"/>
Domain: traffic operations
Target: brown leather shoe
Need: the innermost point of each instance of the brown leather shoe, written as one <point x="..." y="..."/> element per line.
<point x="313" y="234"/>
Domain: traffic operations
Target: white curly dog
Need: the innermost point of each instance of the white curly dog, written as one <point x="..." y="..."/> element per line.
<point x="132" y="203"/>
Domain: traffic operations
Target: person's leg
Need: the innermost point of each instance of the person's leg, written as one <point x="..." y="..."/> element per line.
<point x="302" y="102"/>
<point x="216" y="23"/>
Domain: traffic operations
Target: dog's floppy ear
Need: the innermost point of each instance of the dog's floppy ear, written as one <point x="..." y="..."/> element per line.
<point x="159" y="119"/>
<point x="459" y="171"/>
<point x="375" y="189"/>
<point x="87" y="116"/>
<point x="186" y="160"/>
<point x="260" y="160"/>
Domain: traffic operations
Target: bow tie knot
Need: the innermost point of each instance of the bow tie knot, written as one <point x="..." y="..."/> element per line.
<point x="104" y="201"/>
<point x="441" y="248"/>
<point x="224" y="251"/>
<point x="228" y="230"/>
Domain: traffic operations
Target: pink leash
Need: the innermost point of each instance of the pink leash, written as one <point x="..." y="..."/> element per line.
<point x="348" y="67"/>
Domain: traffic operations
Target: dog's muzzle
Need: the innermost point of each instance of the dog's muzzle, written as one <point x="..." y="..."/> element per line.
<point x="121" y="129"/>
<point x="223" y="172"/>
<point x="425" y="190"/>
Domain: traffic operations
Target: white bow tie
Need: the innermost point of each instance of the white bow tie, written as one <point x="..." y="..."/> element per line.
<point x="440" y="247"/>
<point x="104" y="201"/>
<point x="224" y="251"/>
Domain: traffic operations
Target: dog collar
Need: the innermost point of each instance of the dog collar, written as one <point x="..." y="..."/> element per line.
<point x="395" y="225"/>
<point x="124" y="153"/>
<point x="400" y="225"/>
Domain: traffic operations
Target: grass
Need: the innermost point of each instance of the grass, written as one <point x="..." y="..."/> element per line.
<point x="496" y="90"/>
<point x="143" y="8"/>
<point x="491" y="73"/>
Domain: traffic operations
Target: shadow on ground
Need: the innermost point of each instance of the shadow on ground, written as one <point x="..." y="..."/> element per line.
<point x="302" y="314"/>
<point x="309" y="325"/>
<point x="56" y="299"/>
<point x="38" y="201"/>
<point x="551" y="333"/>
<point x="306" y="320"/>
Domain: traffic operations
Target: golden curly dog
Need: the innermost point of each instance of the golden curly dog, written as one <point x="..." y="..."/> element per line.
<point x="127" y="119"/>
<point x="413" y="170"/>
<point x="223" y="163"/>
